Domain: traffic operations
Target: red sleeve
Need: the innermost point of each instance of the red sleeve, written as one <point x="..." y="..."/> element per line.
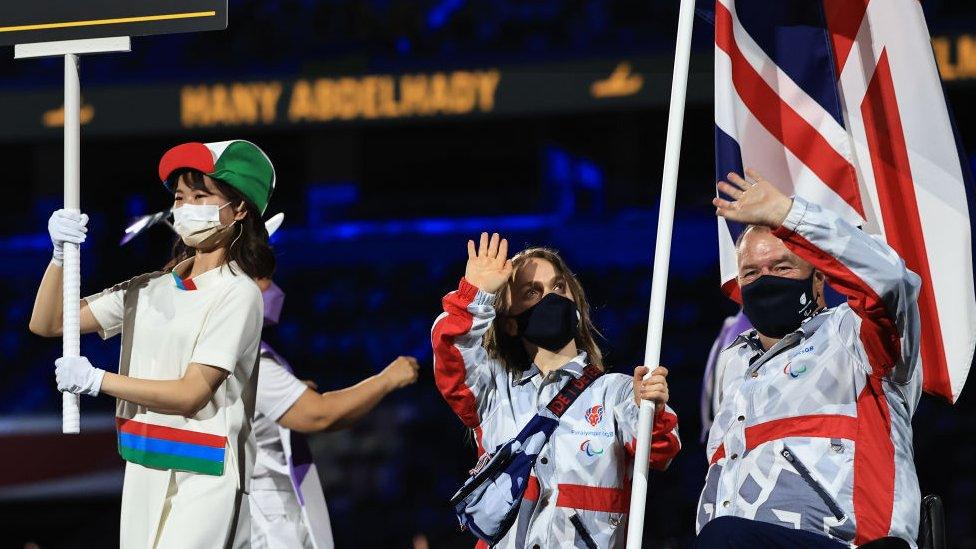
<point x="459" y="359"/>
<point x="665" y="443"/>
<point x="879" y="287"/>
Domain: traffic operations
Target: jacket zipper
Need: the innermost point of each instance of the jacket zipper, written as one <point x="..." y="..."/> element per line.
<point x="808" y="478"/>
<point x="581" y="530"/>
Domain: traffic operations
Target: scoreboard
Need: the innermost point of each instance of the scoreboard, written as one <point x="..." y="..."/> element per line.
<point x="30" y="21"/>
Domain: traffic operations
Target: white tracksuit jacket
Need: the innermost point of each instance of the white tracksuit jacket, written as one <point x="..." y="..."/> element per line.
<point x="586" y="466"/>
<point x="816" y="432"/>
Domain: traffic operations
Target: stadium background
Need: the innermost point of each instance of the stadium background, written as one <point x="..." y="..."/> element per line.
<point x="380" y="198"/>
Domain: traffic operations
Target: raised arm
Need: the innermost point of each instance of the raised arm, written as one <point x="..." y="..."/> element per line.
<point x="462" y="368"/>
<point x="880" y="289"/>
<point x="47" y="317"/>
<point x="334" y="410"/>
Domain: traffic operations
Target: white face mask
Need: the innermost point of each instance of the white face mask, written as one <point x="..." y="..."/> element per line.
<point x="197" y="222"/>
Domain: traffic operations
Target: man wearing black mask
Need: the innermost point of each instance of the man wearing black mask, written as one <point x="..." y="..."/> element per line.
<point x="812" y="442"/>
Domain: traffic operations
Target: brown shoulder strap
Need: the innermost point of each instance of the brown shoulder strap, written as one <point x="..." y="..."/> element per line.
<point x="130" y="301"/>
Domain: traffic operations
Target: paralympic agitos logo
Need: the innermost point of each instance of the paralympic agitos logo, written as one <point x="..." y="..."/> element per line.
<point x="794" y="370"/>
<point x="589" y="449"/>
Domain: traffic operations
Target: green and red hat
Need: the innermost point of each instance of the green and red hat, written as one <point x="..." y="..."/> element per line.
<point x="241" y="164"/>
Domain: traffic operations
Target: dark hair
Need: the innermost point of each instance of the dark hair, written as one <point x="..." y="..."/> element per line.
<point x="509" y="350"/>
<point x="248" y="246"/>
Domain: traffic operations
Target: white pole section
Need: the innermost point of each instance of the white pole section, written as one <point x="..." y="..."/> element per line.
<point x="70" y="49"/>
<point x="70" y="410"/>
<point x="662" y="257"/>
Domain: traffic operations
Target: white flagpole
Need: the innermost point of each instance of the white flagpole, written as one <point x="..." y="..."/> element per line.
<point x="662" y="257"/>
<point x="71" y="337"/>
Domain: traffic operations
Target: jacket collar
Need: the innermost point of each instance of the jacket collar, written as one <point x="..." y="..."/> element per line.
<point x="806" y="330"/>
<point x="574" y="368"/>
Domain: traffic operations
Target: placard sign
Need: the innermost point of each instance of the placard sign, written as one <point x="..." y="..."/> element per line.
<point x="31" y="21"/>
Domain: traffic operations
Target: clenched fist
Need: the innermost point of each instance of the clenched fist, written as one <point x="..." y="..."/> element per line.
<point x="401" y="372"/>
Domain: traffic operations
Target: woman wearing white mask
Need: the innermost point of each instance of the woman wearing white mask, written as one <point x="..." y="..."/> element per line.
<point x="190" y="338"/>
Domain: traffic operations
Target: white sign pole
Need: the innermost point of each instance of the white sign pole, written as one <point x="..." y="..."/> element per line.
<point x="662" y="258"/>
<point x="71" y="337"/>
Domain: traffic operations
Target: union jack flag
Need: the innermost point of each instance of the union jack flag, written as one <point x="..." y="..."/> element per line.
<point x="840" y="101"/>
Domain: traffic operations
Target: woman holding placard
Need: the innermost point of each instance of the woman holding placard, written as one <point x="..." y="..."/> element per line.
<point x="190" y="339"/>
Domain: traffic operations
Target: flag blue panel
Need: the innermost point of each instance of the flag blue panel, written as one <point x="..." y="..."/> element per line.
<point x="793" y="33"/>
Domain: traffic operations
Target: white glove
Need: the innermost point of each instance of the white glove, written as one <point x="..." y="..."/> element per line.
<point x="66" y="226"/>
<point x="76" y="375"/>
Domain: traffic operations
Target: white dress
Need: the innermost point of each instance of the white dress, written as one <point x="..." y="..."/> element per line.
<point x="186" y="478"/>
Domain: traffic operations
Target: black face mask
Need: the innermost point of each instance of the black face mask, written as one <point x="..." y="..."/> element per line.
<point x="551" y="323"/>
<point x="777" y="305"/>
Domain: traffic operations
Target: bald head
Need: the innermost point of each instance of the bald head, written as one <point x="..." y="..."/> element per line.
<point x="759" y="252"/>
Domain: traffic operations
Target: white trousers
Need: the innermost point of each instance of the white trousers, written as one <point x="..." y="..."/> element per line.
<point x="276" y="521"/>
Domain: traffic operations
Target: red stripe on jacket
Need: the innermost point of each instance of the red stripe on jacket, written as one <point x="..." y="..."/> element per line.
<point x="578" y="496"/>
<point x="874" y="465"/>
<point x="874" y="454"/>
<point x="531" y="489"/>
<point x="593" y="498"/>
<point x="449" y="367"/>
<point x="817" y="426"/>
